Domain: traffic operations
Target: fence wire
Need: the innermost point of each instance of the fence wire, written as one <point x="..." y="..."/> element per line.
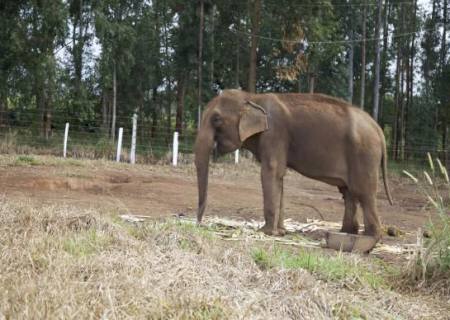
<point x="153" y="143"/>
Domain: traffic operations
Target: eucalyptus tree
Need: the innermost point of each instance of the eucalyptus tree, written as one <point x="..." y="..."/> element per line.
<point x="114" y="24"/>
<point x="81" y="21"/>
<point x="10" y="49"/>
<point x="43" y="28"/>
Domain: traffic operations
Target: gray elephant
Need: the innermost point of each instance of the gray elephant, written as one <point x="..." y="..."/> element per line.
<point x="320" y="137"/>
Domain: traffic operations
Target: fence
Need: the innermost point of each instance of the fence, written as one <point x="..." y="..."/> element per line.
<point x="138" y="141"/>
<point x="134" y="143"/>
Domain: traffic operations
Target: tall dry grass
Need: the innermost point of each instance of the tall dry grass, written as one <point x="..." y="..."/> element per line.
<point x="430" y="264"/>
<point x="63" y="262"/>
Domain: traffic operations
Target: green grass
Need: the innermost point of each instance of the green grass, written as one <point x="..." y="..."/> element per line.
<point x="189" y="236"/>
<point x="26" y="161"/>
<point x="327" y="267"/>
<point x="348" y="311"/>
<point x="86" y="243"/>
<point x="198" y="310"/>
<point x="415" y="167"/>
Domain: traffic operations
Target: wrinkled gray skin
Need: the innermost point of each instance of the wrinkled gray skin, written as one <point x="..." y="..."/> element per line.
<point x="318" y="136"/>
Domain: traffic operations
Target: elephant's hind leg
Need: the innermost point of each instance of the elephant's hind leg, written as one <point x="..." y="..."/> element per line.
<point x="372" y="225"/>
<point x="350" y="223"/>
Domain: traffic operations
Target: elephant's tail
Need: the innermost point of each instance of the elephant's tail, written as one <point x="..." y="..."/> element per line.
<point x="384" y="172"/>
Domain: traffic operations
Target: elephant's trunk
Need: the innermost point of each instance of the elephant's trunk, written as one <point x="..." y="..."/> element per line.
<point x="203" y="146"/>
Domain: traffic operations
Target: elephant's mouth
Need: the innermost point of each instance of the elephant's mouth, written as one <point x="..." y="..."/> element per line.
<point x="221" y="149"/>
<point x="218" y="149"/>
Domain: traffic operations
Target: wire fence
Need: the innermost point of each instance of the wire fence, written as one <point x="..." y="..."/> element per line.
<point x="154" y="144"/>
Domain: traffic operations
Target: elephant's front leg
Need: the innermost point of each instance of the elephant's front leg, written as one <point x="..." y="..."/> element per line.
<point x="272" y="182"/>
<point x="281" y="228"/>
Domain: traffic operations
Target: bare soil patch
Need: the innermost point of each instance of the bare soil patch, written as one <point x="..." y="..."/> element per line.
<point x="64" y="216"/>
<point x="235" y="191"/>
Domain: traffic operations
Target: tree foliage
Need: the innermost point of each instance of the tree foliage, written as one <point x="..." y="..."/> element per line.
<point x="95" y="63"/>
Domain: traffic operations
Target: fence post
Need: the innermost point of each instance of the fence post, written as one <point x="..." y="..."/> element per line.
<point x="133" y="141"/>
<point x="236" y="156"/>
<point x="175" y="149"/>
<point x="66" y="136"/>
<point x="119" y="145"/>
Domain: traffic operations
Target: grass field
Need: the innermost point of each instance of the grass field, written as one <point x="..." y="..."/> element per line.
<point x="63" y="260"/>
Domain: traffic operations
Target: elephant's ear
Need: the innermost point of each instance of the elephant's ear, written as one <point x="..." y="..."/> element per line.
<point x="253" y="120"/>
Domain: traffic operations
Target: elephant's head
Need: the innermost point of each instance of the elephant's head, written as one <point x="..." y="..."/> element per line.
<point x="228" y="120"/>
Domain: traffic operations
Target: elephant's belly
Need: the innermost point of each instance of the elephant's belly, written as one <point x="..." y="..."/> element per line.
<point x="338" y="182"/>
<point x="331" y="171"/>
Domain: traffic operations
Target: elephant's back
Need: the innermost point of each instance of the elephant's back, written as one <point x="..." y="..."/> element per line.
<point x="315" y="103"/>
<point x="329" y="112"/>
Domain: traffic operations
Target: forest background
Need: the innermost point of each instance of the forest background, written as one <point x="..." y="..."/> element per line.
<point x="96" y="63"/>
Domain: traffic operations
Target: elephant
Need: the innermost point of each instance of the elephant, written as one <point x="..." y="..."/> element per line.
<point x="318" y="136"/>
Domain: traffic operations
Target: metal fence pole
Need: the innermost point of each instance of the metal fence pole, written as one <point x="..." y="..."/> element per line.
<point x="66" y="136"/>
<point x="175" y="149"/>
<point x="119" y="145"/>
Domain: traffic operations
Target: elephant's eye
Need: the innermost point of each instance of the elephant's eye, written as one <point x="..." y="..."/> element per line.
<point x="217" y="120"/>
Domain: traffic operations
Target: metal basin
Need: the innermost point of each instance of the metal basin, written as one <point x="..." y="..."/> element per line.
<point x="350" y="242"/>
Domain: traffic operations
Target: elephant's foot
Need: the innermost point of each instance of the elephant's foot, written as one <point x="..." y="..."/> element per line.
<point x="373" y="232"/>
<point x="281" y="231"/>
<point x="270" y="231"/>
<point x="353" y="229"/>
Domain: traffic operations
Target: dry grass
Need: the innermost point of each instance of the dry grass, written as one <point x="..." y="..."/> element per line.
<point x="429" y="266"/>
<point x="63" y="262"/>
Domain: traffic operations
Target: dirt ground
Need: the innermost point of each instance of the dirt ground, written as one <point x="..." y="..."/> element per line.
<point x="42" y="187"/>
<point x="161" y="191"/>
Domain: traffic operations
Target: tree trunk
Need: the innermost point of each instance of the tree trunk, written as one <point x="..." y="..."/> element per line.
<point x="105" y="124"/>
<point x="48" y="100"/>
<point x="48" y="117"/>
<point x="426" y="64"/>
<point x="238" y="58"/>
<point x="78" y="44"/>
<point x="109" y="114"/>
<point x="401" y="49"/>
<point x="169" y="116"/>
<point x="154" y="113"/>
<point x="402" y="110"/>
<point x="410" y="65"/>
<point x="3" y="101"/>
<point x="384" y="59"/>
<point x="181" y="92"/>
<point x="255" y="20"/>
<point x="237" y="73"/>
<point x="141" y="120"/>
<point x="39" y="94"/>
<point x="444" y="35"/>
<point x="41" y="101"/>
<point x="363" y="58"/>
<point x="442" y="63"/>
<point x="376" y="84"/>
<point x="395" y="139"/>
<point x="444" y="144"/>
<point x="407" y="101"/>
<point x="114" y="103"/>
<point x="200" y="63"/>
<point x="211" y="68"/>
<point x="350" y="70"/>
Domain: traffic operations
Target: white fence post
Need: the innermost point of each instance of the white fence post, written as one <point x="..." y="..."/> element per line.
<point x="119" y="145"/>
<point x="133" y="141"/>
<point x="66" y="136"/>
<point x="175" y="149"/>
<point x="236" y="156"/>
